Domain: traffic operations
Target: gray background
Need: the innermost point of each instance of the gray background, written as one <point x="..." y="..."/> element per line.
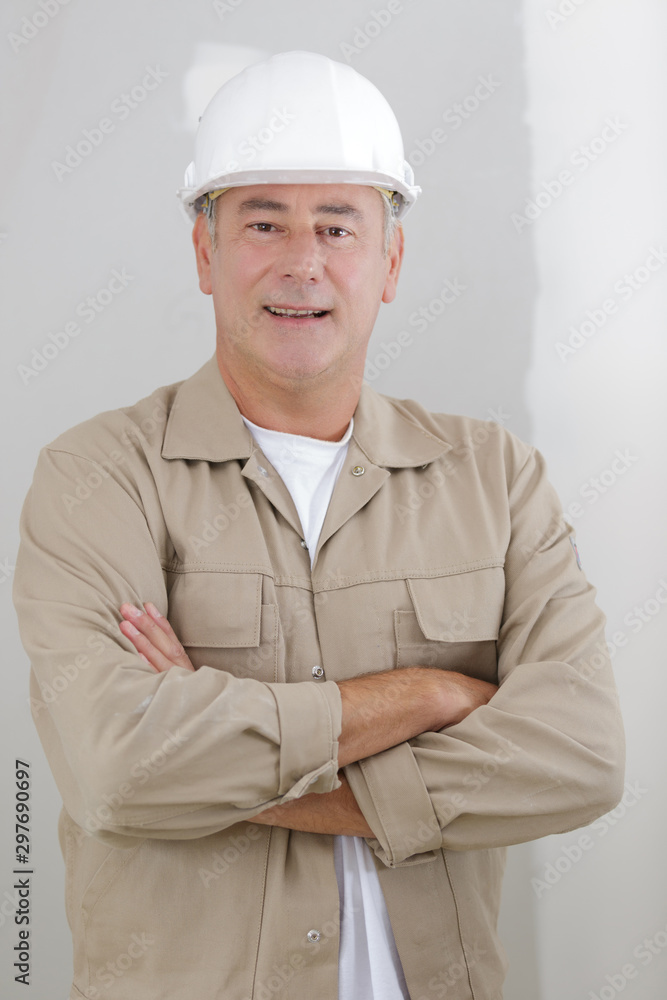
<point x="558" y="78"/>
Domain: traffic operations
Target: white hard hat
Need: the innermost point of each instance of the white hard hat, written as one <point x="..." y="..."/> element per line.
<point x="298" y="118"/>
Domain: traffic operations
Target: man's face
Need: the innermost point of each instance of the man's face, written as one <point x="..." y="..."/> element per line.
<point x="313" y="248"/>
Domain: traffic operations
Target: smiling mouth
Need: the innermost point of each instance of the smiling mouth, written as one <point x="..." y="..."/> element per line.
<point x="297" y="313"/>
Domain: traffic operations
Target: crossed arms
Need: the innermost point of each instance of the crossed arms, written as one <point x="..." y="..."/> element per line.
<point x="543" y="754"/>
<point x="380" y="711"/>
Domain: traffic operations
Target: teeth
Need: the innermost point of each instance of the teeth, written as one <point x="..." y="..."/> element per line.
<point x="295" y="312"/>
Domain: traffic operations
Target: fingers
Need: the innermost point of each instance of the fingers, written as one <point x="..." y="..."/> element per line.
<point x="153" y="637"/>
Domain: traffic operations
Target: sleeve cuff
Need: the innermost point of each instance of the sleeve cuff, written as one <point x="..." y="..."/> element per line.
<point x="310" y="717"/>
<point x="391" y="794"/>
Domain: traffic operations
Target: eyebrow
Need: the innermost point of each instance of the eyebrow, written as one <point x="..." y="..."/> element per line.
<point x="267" y="205"/>
<point x="349" y="210"/>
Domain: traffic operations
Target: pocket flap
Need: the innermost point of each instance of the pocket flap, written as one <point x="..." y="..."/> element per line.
<point x="464" y="607"/>
<point x="216" y="608"/>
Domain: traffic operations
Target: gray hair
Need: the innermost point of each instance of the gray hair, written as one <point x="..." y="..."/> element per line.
<point x="390" y="221"/>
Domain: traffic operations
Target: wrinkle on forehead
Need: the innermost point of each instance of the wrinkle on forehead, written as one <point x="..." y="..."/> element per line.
<point x="270" y="205"/>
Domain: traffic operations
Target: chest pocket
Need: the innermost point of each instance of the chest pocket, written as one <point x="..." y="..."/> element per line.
<point x="221" y="621"/>
<point x="454" y="624"/>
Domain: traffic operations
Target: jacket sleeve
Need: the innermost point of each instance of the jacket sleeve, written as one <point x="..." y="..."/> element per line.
<point x="136" y="753"/>
<point x="546" y="754"/>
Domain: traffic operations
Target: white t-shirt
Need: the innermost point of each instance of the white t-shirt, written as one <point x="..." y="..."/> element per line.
<point x="368" y="964"/>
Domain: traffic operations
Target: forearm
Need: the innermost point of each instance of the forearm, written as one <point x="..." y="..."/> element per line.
<point x="384" y="709"/>
<point x="380" y="711"/>
<point x="334" y="812"/>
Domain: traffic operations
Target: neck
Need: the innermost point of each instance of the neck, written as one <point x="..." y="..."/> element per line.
<point x="306" y="408"/>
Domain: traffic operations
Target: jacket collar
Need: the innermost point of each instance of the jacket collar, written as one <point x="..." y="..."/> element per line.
<point x="204" y="423"/>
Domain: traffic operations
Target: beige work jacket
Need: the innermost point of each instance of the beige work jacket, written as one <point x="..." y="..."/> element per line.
<point x="443" y="546"/>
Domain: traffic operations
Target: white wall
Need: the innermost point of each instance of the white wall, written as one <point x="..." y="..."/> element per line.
<point x="548" y="89"/>
<point x="595" y="399"/>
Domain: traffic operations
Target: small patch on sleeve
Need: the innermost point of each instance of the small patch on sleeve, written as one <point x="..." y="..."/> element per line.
<point x="576" y="551"/>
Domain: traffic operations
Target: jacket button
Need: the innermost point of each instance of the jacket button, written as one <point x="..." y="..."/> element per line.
<point x="317" y="671"/>
<point x="304" y="543"/>
<point x="313" y="936"/>
<point x="358" y="470"/>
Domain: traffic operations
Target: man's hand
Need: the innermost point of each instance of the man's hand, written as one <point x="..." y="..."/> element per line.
<point x="153" y="637"/>
<point x="334" y="812"/>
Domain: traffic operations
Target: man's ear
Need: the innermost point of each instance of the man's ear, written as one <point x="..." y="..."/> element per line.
<point x="203" y="252"/>
<point x="395" y="259"/>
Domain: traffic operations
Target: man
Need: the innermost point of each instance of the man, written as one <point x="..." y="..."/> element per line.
<point x="368" y="658"/>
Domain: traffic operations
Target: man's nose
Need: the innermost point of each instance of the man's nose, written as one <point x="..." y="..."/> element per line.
<point x="302" y="259"/>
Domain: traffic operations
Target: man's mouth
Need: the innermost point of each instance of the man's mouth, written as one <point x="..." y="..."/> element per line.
<point x="297" y="313"/>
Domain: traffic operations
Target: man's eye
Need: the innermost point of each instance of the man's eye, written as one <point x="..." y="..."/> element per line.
<point x="337" y="231"/>
<point x="262" y="227"/>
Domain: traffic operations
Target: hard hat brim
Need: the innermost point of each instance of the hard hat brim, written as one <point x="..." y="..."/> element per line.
<point x="407" y="192"/>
